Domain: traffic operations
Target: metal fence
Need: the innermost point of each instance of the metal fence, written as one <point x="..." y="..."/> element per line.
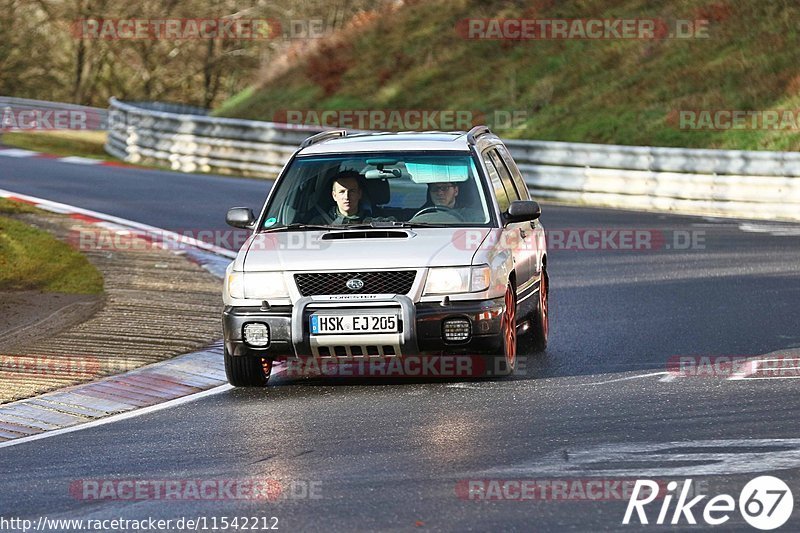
<point x="193" y="142"/>
<point x="747" y="184"/>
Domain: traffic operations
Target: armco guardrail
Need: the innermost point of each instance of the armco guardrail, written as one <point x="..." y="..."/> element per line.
<point x="747" y="184"/>
<point x="20" y="114"/>
<point x="193" y="142"/>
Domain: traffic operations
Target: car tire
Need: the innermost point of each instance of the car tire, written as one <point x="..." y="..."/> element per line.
<point x="540" y="320"/>
<point x="246" y="371"/>
<point x="506" y="362"/>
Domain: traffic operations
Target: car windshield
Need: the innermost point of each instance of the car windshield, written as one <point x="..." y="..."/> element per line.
<point x="379" y="189"/>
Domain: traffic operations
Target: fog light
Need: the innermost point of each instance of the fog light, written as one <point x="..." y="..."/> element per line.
<point x="256" y="334"/>
<point x="456" y="329"/>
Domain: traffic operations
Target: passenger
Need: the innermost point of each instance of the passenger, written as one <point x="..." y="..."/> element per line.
<point x="347" y="193"/>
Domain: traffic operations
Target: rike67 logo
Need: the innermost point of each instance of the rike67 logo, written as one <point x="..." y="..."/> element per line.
<point x="765" y="503"/>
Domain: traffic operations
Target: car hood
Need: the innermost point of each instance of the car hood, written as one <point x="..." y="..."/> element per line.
<point x="362" y="249"/>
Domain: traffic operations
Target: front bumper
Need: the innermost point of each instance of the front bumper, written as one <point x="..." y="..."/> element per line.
<point x="290" y="336"/>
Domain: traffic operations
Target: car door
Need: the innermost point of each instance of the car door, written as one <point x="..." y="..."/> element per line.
<point x="536" y="225"/>
<point x="526" y="235"/>
<point x="513" y="235"/>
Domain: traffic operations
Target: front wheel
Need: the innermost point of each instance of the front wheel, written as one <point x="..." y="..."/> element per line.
<point x="247" y="371"/>
<point x="508" y="329"/>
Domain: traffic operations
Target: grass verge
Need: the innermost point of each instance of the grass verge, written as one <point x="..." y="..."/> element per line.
<point x="66" y="143"/>
<point x="32" y="259"/>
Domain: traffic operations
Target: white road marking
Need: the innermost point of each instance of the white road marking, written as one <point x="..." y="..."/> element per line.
<point x="122" y="416"/>
<point x="771" y="377"/>
<point x="745" y="371"/>
<point x="691" y="458"/>
<point x="640" y="376"/>
<point x="777" y="230"/>
<point x="59" y="210"/>
<point x="464" y="386"/>
<point x="17" y="152"/>
<point x="80" y="160"/>
<point x="757" y="364"/>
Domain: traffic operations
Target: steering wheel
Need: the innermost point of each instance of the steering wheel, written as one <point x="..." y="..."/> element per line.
<point x="443" y="209"/>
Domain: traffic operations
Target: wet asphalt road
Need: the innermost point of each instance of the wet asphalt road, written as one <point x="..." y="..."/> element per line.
<point x="394" y="455"/>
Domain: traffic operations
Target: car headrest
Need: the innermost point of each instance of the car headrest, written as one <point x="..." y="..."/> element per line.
<point x="378" y="191"/>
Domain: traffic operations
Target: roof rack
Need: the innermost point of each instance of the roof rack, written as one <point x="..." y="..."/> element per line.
<point x="477" y="131"/>
<point x="324" y="136"/>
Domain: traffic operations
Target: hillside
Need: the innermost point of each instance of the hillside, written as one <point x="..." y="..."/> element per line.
<point x="626" y="91"/>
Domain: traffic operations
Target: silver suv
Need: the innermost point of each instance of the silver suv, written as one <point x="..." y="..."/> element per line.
<point x="385" y="245"/>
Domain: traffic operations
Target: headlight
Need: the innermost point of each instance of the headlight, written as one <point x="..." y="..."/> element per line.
<point x="257" y="285"/>
<point x="264" y="285"/>
<point x="457" y="280"/>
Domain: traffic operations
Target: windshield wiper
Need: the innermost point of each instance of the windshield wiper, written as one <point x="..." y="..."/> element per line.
<point x="383" y="224"/>
<point x="297" y="225"/>
<point x="376" y="224"/>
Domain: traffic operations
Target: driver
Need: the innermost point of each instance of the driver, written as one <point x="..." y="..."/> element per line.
<point x="444" y="196"/>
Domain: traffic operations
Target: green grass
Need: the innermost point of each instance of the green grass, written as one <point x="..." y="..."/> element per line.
<point x="32" y="259"/>
<point x="607" y="91"/>
<point x="8" y="207"/>
<point x="66" y="143"/>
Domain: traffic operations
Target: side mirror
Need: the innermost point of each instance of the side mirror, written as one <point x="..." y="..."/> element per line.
<point x="523" y="211"/>
<point x="240" y="217"/>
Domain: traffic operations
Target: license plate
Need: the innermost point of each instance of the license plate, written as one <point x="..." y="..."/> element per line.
<point x="332" y="324"/>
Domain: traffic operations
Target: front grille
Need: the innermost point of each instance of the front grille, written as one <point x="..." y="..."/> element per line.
<point x="385" y="282"/>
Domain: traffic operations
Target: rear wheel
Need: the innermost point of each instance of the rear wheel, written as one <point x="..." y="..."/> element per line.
<point x="540" y="321"/>
<point x="246" y="371"/>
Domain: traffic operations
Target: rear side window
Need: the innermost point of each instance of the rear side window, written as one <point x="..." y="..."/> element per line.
<point x="516" y="175"/>
<point x="497" y="184"/>
<point x="505" y="176"/>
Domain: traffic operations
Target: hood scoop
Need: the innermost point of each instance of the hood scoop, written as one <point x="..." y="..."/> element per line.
<point x="370" y="234"/>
